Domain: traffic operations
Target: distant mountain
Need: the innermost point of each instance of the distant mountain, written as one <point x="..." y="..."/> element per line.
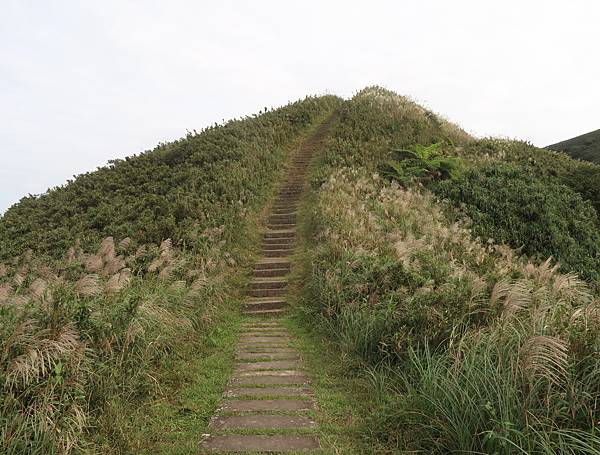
<point x="584" y="147"/>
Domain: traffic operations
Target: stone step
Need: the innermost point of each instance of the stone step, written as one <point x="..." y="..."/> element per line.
<point x="273" y="332"/>
<point x="262" y="422"/>
<point x="270" y="365"/>
<point x="265" y="349"/>
<point x="261" y="324"/>
<point x="259" y="293"/>
<point x="270" y="380"/>
<point x="265" y="356"/>
<point x="282" y="218"/>
<point x="271" y="340"/>
<point x="268" y="284"/>
<point x="271" y="273"/>
<point x="279" y="241"/>
<point x="282" y="253"/>
<point x="268" y="392"/>
<point x="281" y="226"/>
<point x="284" y="211"/>
<point x="272" y="264"/>
<point x="260" y="443"/>
<point x="279" y="235"/>
<point x="285" y="405"/>
<point x="266" y="304"/>
<point x="278" y="246"/>
<point x="264" y="313"/>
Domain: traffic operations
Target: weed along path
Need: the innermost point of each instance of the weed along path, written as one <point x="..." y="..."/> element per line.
<point x="269" y="405"/>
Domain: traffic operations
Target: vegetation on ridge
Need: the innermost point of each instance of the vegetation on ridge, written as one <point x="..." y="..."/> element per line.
<point x="584" y="147"/>
<point x="85" y="332"/>
<point x="473" y="347"/>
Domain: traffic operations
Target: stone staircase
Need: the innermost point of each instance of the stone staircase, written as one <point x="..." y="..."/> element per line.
<point x="269" y="405"/>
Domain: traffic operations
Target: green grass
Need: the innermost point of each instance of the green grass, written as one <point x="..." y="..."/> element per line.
<point x="192" y="387"/>
<point x="584" y="147"/>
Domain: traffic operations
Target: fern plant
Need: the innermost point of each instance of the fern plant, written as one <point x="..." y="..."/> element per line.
<point x="424" y="163"/>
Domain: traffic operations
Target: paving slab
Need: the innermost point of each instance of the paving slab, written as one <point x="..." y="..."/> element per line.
<point x="272" y="365"/>
<point x="261" y="422"/>
<point x="270" y="380"/>
<point x="267" y="355"/>
<point x="268" y="392"/>
<point x="256" y="443"/>
<point x="284" y="405"/>
<point x="243" y="374"/>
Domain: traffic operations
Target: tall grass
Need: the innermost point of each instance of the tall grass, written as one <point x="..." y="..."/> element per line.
<point x="472" y="347"/>
<point x="84" y="335"/>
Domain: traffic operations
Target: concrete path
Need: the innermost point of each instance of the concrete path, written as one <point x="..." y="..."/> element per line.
<point x="268" y="404"/>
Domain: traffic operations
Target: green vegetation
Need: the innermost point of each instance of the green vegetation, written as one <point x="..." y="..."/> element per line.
<point x="456" y="280"/>
<point x="471" y="347"/>
<point x="584" y="147"/>
<point x="90" y="327"/>
<point x="515" y="204"/>
<point x="175" y="191"/>
<point x="422" y="165"/>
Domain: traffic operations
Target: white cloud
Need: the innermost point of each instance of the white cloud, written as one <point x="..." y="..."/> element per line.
<point x="84" y="82"/>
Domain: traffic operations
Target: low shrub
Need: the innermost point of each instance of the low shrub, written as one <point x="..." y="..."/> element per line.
<point x="516" y="205"/>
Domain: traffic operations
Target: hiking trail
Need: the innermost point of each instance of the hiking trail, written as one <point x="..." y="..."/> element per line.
<point x="268" y="402"/>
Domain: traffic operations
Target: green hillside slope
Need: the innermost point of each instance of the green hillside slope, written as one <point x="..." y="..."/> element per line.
<point x="584" y="147"/>
<point x="174" y="191"/>
<point x="459" y="275"/>
<point x="432" y="265"/>
<point x="107" y="280"/>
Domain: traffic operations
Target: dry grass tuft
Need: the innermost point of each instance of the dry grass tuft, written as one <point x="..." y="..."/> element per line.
<point x="38" y="288"/>
<point x="5" y="291"/>
<point x="88" y="286"/>
<point x="107" y="248"/>
<point x="545" y="356"/>
<point x="113" y="265"/>
<point x="44" y="350"/>
<point x="94" y="264"/>
<point x="19" y="278"/>
<point x="125" y="244"/>
<point x="118" y="281"/>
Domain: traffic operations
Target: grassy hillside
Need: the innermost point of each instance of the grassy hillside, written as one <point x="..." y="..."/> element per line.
<point x="584" y="147"/>
<point x="106" y="279"/>
<point x="175" y="191"/>
<point x="460" y="275"/>
<point x="433" y="266"/>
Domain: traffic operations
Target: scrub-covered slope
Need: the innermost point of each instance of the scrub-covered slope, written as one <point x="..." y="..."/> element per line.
<point x="174" y="191"/>
<point x="433" y="264"/>
<point x="584" y="147"/>
<point x="105" y="280"/>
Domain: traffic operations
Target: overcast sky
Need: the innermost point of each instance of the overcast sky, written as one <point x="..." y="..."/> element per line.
<point x="82" y="82"/>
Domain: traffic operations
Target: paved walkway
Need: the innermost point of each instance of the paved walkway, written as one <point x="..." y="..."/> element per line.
<point x="268" y="404"/>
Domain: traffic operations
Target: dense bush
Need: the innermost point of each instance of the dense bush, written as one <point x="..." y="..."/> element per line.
<point x="580" y="176"/>
<point x="174" y="191"/>
<point x="516" y="205"/>
<point x="584" y="147"/>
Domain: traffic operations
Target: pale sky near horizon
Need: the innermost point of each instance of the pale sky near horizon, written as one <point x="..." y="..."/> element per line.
<point x="83" y="82"/>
